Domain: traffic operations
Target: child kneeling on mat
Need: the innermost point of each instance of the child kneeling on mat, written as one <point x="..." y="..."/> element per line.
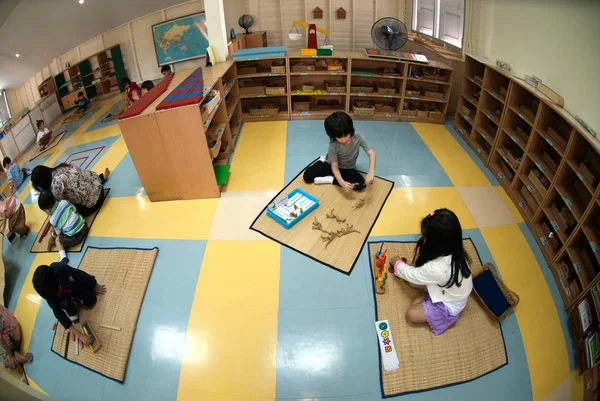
<point x="441" y="269"/>
<point x="61" y="286"/>
<point x="66" y="222"/>
<point x="339" y="166"/>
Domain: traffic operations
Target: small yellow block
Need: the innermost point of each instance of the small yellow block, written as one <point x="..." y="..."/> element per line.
<point x="308" y="52"/>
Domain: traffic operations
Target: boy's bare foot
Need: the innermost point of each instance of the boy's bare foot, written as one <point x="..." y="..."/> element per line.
<point x="106" y="174"/>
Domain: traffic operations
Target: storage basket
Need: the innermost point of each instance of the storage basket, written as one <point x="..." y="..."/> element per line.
<point x="247" y="68"/>
<point x="266" y="109"/>
<point x="251" y="88"/>
<point x="278" y="67"/>
<point x="383" y="107"/>
<point x="335" y="86"/>
<point x="434" y="95"/>
<point x="489" y="283"/>
<point x="386" y="89"/>
<point x="363" y="108"/>
<point x="435" y="76"/>
<point x="300" y="67"/>
<point x="335" y="65"/>
<point x="412" y="91"/>
<point x="409" y="113"/>
<point x="362" y="87"/>
<point x="301" y="105"/>
<point x="275" y="89"/>
<point x="308" y="88"/>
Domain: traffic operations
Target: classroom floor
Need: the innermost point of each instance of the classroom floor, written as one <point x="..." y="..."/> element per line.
<point x="232" y="316"/>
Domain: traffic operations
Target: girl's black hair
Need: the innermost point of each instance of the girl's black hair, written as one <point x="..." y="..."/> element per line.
<point x="442" y="236"/>
<point x="338" y="124"/>
<point x="41" y="177"/>
<point x="125" y="81"/>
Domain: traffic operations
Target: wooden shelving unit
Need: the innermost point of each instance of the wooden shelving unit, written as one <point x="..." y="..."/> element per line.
<point x="550" y="167"/>
<point x="339" y="81"/>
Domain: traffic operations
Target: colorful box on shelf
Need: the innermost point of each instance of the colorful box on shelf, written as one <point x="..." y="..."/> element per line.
<point x="190" y="91"/>
<point x="259" y="53"/>
<point x="308" y="52"/>
<point x="291" y="209"/>
<point x="147" y="99"/>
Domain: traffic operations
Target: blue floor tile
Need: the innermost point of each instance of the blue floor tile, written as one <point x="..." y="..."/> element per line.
<point x="124" y="180"/>
<point x="17" y="259"/>
<point x="97" y="124"/>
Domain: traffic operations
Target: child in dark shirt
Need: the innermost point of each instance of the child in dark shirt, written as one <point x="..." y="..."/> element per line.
<point x="62" y="286"/>
<point x="82" y="102"/>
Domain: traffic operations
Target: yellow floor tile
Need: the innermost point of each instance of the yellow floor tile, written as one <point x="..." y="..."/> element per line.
<point x="406" y="207"/>
<point x="259" y="160"/>
<point x="509" y="204"/>
<point x="28" y="303"/>
<point x="229" y="351"/>
<point x="35" y="216"/>
<point x="96" y="135"/>
<point x="189" y="219"/>
<point x="536" y="313"/>
<point x="250" y="282"/>
<point x="112" y="157"/>
<point x="577" y="386"/>
<point x="459" y="166"/>
<point x="486" y="206"/>
<point x="236" y="212"/>
<point x="208" y="396"/>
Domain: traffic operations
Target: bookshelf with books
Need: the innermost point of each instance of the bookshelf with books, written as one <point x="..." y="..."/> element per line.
<point x="549" y="165"/>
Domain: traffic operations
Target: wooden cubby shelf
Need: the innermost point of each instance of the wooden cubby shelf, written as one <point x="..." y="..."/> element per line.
<point x="366" y="88"/>
<point x="549" y="165"/>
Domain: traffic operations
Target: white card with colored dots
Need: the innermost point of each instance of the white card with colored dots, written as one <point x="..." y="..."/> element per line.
<point x="386" y="345"/>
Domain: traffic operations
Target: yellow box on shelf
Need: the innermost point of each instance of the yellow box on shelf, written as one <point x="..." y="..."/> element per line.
<point x="308" y="52"/>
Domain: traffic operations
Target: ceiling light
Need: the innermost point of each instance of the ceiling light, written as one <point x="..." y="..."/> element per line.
<point x="17" y="55"/>
<point x="80" y="1"/>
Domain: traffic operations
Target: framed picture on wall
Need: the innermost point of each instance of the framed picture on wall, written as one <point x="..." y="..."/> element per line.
<point x="180" y="39"/>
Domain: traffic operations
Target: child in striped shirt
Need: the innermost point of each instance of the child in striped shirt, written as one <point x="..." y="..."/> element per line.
<point x="68" y="224"/>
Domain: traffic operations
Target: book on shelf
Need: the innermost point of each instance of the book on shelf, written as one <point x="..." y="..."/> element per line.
<point x="592" y="348"/>
<point x="596" y="298"/>
<point x="585" y="314"/>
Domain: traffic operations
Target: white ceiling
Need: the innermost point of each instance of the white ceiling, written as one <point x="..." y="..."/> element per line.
<point x="40" y="30"/>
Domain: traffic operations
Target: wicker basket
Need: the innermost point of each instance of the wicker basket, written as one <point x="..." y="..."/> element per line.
<point x="511" y="297"/>
<point x="386" y="89"/>
<point x="361" y="88"/>
<point x="363" y="108"/>
<point x="409" y="113"/>
<point x="247" y="68"/>
<point x="300" y="67"/>
<point x="251" y="88"/>
<point x="434" y="95"/>
<point x="266" y="109"/>
<point x="308" y="88"/>
<point x="335" y="86"/>
<point x="335" y="65"/>
<point x="275" y="89"/>
<point x="301" y="105"/>
<point x="383" y="107"/>
<point x="278" y="67"/>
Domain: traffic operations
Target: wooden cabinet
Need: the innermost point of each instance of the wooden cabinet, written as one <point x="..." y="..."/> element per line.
<point x="69" y="100"/>
<point x="255" y="39"/>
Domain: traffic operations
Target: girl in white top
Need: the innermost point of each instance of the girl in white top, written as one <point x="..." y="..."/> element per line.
<point x="441" y="269"/>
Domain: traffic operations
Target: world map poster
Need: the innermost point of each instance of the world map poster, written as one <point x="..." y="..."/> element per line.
<point x="180" y="39"/>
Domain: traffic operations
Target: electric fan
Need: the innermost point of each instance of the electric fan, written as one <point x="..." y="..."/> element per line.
<point x="389" y="33"/>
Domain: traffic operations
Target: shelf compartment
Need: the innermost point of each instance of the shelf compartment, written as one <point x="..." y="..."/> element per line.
<point x="420" y="73"/>
<point x="462" y="124"/>
<point x="582" y="319"/>
<point x="427" y="91"/>
<point x="584" y="261"/>
<point x="511" y="153"/>
<point x="502" y="170"/>
<point x="496" y="84"/>
<point x="545" y="157"/>
<point x="308" y="65"/>
<point x="536" y="196"/>
<point x="575" y="195"/>
<point x="523" y="103"/>
<point x="309" y="107"/>
<point x="471" y="92"/>
<point x="546" y="235"/>
<point x="554" y="129"/>
<point x="590" y="384"/>
<point x="561" y="217"/>
<point x="591" y="231"/>
<point x="248" y="103"/>
<point x="481" y="146"/>
<point x="524" y="200"/>
<point x="474" y="71"/>
<point x="516" y="129"/>
<point x="491" y="107"/>
<point x="568" y="282"/>
<point x="585" y="162"/>
<point x="377" y="68"/>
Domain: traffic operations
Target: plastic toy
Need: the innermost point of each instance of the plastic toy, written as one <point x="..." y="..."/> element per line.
<point x="380" y="272"/>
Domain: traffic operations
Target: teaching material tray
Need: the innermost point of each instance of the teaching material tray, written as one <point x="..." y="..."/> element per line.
<point x="292" y="208"/>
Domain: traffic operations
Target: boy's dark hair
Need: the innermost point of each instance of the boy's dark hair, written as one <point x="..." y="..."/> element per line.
<point x="39" y="123"/>
<point x="338" y="124"/>
<point x="125" y="81"/>
<point x="165" y="68"/>
<point x="80" y="94"/>
<point x="46" y="200"/>
<point x="6" y="161"/>
<point x="45" y="282"/>
<point x="442" y="236"/>
<point x="147" y="85"/>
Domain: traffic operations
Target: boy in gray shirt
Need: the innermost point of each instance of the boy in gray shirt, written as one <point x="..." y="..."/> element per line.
<point x="339" y="167"/>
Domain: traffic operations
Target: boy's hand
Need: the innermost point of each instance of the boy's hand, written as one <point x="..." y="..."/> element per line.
<point x="370" y="178"/>
<point x="100" y="289"/>
<point x="51" y="242"/>
<point x="348" y="186"/>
